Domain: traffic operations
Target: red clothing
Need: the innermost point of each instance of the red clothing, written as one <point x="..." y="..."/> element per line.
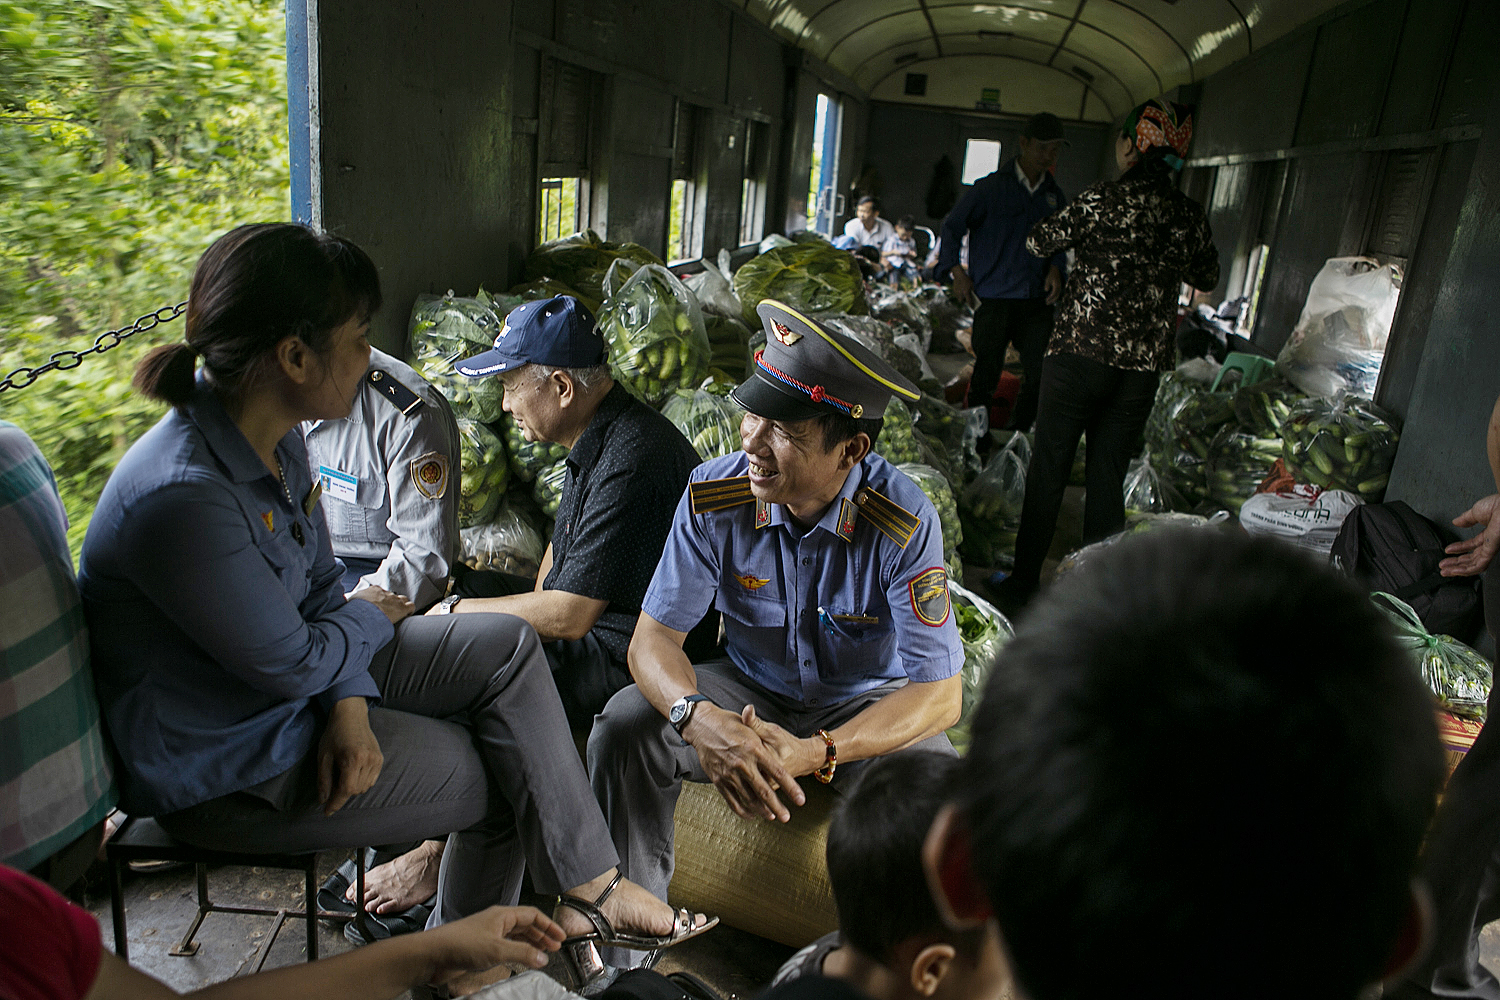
<point x="51" y="948"/>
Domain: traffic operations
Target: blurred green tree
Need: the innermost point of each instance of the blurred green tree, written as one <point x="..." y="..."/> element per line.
<point x="132" y="133"/>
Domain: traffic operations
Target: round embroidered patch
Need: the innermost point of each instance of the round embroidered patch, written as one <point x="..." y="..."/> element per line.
<point x="429" y="474"/>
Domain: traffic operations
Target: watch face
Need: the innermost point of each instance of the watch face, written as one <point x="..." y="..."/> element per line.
<point x="679" y="712"/>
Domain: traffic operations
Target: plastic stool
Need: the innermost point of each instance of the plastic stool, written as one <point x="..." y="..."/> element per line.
<point x="1252" y="368"/>
<point x="143" y="839"/>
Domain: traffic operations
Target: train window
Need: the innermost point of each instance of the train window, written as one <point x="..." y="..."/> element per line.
<point x="981" y="157"/>
<point x="1254" y="281"/>
<point x="822" y="204"/>
<point x="682" y="225"/>
<point x="559" y="207"/>
<point x="753" y="185"/>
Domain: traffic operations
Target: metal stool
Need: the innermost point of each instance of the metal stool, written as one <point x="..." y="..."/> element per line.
<point x="143" y="839"/>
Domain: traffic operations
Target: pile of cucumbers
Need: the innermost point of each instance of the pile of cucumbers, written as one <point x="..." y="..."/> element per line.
<point x="483" y="470"/>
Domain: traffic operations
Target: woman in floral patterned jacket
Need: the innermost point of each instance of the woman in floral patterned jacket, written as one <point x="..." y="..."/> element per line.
<point x="1135" y="241"/>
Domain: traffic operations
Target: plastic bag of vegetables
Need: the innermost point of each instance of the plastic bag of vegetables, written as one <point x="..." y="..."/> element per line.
<point x="955" y="433"/>
<point x="508" y="544"/>
<point x="1237" y="464"/>
<point x="1137" y="524"/>
<point x="1261" y="408"/>
<point x="983" y="630"/>
<point x="711" y="422"/>
<point x="448" y="328"/>
<point x="654" y="328"/>
<point x="1458" y="676"/>
<point x="547" y="488"/>
<point x="1347" y="444"/>
<point x="484" y="472"/>
<point x="897" y="443"/>
<point x="729" y="346"/>
<point x="1180" y="430"/>
<point x="546" y="288"/>
<point x="905" y="316"/>
<point x="1145" y="492"/>
<point x="935" y="485"/>
<point x="527" y="458"/>
<point x="990" y="507"/>
<point x="581" y="261"/>
<point x="809" y="277"/>
<point x="714" y="292"/>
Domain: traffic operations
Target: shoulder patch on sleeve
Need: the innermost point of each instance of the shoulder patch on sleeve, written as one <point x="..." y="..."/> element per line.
<point x="429" y="474"/>
<point x="392" y="391"/>
<point x="719" y="494"/>
<point x="929" y="596"/>
<point x="894" y="521"/>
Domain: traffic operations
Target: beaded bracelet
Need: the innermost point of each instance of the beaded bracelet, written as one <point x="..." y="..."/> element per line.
<point x="825" y="773"/>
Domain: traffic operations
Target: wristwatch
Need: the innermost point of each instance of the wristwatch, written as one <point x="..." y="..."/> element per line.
<point x="447" y="604"/>
<point x="682" y="710"/>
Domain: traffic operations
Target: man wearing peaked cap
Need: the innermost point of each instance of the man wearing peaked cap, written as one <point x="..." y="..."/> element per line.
<point x="827" y="564"/>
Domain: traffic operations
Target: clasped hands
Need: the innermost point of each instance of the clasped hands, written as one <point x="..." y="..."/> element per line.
<point x="750" y="760"/>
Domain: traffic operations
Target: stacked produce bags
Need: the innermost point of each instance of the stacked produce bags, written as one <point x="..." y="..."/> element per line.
<point x="654" y="328"/>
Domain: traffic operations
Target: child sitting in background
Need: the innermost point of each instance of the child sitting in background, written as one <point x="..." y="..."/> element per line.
<point x="891" y="944"/>
<point x="899" y="255"/>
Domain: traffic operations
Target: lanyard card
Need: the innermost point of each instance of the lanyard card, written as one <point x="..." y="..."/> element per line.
<point x="339" y="485"/>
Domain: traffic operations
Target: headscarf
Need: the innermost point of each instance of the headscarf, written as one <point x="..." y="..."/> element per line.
<point x="1161" y="125"/>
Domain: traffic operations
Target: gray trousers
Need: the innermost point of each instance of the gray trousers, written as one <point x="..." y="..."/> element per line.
<point x="637" y="763"/>
<point x="1461" y="861"/>
<point x="475" y="745"/>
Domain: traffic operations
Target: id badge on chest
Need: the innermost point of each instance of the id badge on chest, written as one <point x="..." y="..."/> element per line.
<point x="339" y="485"/>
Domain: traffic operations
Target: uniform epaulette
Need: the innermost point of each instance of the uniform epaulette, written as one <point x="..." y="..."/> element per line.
<point x="894" y="521"/>
<point x="719" y="494"/>
<point x="393" y="392"/>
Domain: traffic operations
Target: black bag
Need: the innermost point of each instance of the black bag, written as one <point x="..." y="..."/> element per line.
<point x="647" y="984"/>
<point x="1390" y="547"/>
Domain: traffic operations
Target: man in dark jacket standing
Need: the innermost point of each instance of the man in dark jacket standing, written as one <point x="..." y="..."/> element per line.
<point x="1015" y="289"/>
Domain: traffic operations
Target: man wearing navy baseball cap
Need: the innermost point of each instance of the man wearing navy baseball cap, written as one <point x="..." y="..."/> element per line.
<point x="827" y="564"/>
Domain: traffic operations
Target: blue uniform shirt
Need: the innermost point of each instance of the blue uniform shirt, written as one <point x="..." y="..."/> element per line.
<point x="810" y="615"/>
<point x="997" y="213"/>
<point x="218" y="639"/>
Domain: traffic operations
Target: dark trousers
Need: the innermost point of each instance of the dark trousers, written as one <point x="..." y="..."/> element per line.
<point x="475" y="746"/>
<point x="1462" y="860"/>
<point x="586" y="672"/>
<point x="1080" y="396"/>
<point x="1027" y="323"/>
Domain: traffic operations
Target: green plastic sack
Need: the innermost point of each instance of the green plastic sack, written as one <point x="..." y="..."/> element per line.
<point x="1347" y="444"/>
<point x="935" y="485"/>
<point x="546" y="288"/>
<point x="1237" y="464"/>
<point x="809" y="277"/>
<point x="654" y="328"/>
<point x="710" y="421"/>
<point x="1146" y="492"/>
<point x="897" y="442"/>
<point x="1180" y="431"/>
<point x="581" y="261"/>
<point x="990" y="507"/>
<point x="446" y="329"/>
<point x="483" y="473"/>
<point x="527" y="458"/>
<point x="548" y="486"/>
<point x="1458" y="677"/>
<point x="983" y="630"/>
<point x="729" y="346"/>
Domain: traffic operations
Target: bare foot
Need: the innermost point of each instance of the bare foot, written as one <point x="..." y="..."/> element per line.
<point x="403" y="883"/>
<point x="628" y="908"/>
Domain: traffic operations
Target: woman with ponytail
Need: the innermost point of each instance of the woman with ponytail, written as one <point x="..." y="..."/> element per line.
<point x="1135" y="242"/>
<point x="253" y="706"/>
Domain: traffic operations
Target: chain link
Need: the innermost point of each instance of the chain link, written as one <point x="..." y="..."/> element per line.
<point x="106" y="341"/>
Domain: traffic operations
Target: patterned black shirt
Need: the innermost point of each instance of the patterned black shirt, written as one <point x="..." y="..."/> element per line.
<point x="1134" y="241"/>
<point x="625" y="475"/>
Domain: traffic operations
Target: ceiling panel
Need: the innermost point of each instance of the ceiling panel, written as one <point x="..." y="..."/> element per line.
<point x="1151" y="40"/>
<point x="840" y="19"/>
<point x="851" y="51"/>
<point x="1133" y="71"/>
<point x="957" y="81"/>
<point x="1035" y="24"/>
<point x="1111" y="91"/>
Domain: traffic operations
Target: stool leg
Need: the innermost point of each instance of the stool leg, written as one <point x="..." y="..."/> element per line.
<point x="310" y="908"/>
<point x="117" y="910"/>
<point x="360" y="916"/>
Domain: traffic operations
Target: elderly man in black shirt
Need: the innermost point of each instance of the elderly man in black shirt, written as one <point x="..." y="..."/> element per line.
<point x="627" y="468"/>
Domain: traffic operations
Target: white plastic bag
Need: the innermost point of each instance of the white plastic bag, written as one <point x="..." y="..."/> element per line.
<point x="509" y="544"/>
<point x="714" y="292"/>
<point x="1308" y="517"/>
<point x="1340" y="338"/>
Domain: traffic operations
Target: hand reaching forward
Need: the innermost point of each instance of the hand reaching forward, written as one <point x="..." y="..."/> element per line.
<point x="1472" y="556"/>
<point x="743" y="767"/>
<point x="520" y="934"/>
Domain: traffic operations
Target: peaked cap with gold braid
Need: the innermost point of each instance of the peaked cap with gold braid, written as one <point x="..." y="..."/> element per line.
<point x="806" y="371"/>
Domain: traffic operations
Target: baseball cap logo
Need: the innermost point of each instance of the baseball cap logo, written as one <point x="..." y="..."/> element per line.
<point x="784" y="335"/>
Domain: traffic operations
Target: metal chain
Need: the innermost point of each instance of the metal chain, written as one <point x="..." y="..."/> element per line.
<point x="106" y="341"/>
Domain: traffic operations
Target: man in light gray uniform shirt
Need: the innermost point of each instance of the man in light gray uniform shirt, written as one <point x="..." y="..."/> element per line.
<point x="388" y="474"/>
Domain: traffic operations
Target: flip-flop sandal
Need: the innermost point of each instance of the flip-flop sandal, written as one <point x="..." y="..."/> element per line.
<point x="331" y="898"/>
<point x="582" y="963"/>
<point x="380" y="926"/>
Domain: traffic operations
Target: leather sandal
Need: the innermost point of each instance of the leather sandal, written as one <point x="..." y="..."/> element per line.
<point x="582" y="967"/>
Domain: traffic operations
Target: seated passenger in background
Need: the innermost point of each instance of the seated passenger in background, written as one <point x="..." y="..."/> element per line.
<point x="867" y="228"/>
<point x="826" y="562"/>
<point x="1158" y="795"/>
<point x="389" y="472"/>
<point x="891" y="944"/>
<point x="236" y="678"/>
<point x="899" y="255"/>
<point x="55" y="781"/>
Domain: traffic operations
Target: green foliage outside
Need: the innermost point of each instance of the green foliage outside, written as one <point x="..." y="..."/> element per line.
<point x="132" y="133"/>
